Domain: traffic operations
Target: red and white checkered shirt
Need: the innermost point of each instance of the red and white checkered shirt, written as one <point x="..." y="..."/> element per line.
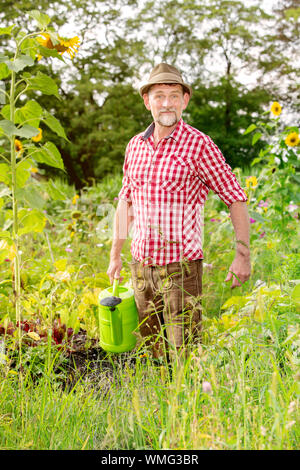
<point x="168" y="186"/>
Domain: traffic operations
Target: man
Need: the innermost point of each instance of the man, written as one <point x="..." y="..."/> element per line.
<point x="168" y="171"/>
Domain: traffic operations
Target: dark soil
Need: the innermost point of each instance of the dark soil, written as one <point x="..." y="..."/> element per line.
<point x="89" y="363"/>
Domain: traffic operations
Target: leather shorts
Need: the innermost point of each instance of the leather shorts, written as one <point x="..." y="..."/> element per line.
<point x="168" y="299"/>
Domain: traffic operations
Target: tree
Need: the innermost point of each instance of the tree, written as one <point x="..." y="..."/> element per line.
<point x="214" y="42"/>
<point x="208" y="112"/>
<point x="231" y="53"/>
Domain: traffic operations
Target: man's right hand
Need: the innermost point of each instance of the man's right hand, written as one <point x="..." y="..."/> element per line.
<point x="114" y="269"/>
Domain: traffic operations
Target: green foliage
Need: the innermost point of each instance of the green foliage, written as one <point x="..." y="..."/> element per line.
<point x="100" y="105"/>
<point x="221" y="111"/>
<point x="239" y="389"/>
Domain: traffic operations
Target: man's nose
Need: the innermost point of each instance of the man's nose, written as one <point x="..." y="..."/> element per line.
<point x="167" y="101"/>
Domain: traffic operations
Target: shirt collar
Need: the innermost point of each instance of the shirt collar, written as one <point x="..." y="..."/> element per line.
<point x="175" y="134"/>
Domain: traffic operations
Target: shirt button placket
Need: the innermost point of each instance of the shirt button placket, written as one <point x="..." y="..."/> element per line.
<point x="148" y="194"/>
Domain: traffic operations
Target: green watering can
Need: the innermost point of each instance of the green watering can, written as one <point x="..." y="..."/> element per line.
<point x="118" y="318"/>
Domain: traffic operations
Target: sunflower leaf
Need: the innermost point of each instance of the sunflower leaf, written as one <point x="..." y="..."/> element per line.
<point x="4" y="172"/>
<point x="55" y="125"/>
<point x="27" y="131"/>
<point x="30" y="112"/>
<point x="256" y="137"/>
<point x="8" y="127"/>
<point x="41" y="18"/>
<point x="20" y="63"/>
<point x="44" y="84"/>
<point x="46" y="52"/>
<point x="251" y="128"/>
<point x="31" y="221"/>
<point x="49" y="155"/>
<point x="23" y="172"/>
<point x="4" y="71"/>
<point x="7" y="30"/>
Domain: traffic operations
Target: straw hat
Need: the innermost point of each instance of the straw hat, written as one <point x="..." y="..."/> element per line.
<point x="165" y="73"/>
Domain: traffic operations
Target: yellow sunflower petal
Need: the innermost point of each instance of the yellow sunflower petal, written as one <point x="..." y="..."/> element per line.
<point x="39" y="136"/>
<point x="276" y="108"/>
<point x="292" y="139"/>
<point x="251" y="182"/>
<point x="18" y="145"/>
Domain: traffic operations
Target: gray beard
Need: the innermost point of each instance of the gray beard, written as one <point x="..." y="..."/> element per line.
<point x="167" y="121"/>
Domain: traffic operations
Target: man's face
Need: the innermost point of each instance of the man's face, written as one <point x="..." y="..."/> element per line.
<point x="166" y="103"/>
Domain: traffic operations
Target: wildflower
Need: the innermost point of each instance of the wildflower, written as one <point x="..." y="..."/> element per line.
<point x="39" y="136"/>
<point x="34" y="170"/>
<point x="207" y="388"/>
<point x="263" y="203"/>
<point x="69" y="45"/>
<point x="292" y="407"/>
<point x="69" y="250"/>
<point x="252" y="221"/>
<point x="76" y="215"/>
<point x="292" y="207"/>
<point x="18" y="146"/>
<point x="262" y="234"/>
<point x="263" y="431"/>
<point x="276" y="108"/>
<point x="251" y="182"/>
<point x="208" y="266"/>
<point x="74" y="200"/>
<point x="292" y="139"/>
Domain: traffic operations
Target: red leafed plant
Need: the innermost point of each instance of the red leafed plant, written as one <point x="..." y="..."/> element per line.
<point x="60" y="333"/>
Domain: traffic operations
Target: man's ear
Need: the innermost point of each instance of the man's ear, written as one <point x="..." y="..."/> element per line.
<point x="146" y="101"/>
<point x="186" y="99"/>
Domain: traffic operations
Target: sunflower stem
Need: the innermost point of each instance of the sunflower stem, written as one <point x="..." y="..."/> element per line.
<point x="15" y="227"/>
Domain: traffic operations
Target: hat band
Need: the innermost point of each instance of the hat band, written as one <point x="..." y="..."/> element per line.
<point x="165" y="78"/>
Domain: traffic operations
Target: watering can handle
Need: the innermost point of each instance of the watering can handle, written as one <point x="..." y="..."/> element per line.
<point x="116" y="287"/>
<point x="116" y="327"/>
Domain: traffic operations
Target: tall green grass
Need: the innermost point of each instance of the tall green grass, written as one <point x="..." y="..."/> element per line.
<point x="237" y="398"/>
<point x="239" y="389"/>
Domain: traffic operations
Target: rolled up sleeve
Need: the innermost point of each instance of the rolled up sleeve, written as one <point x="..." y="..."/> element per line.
<point x="125" y="192"/>
<point x="218" y="175"/>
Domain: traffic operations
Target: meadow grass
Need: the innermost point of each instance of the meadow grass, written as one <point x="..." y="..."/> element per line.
<point x="238" y="399"/>
<point x="238" y="389"/>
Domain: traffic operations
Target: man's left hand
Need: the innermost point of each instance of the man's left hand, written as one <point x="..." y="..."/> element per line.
<point x="239" y="271"/>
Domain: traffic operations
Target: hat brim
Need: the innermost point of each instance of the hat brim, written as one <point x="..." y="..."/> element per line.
<point x="145" y="88"/>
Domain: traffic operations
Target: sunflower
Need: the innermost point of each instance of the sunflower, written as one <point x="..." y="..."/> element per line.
<point x="39" y="136"/>
<point x="292" y="139"/>
<point x="69" y="45"/>
<point x="18" y="146"/>
<point x="276" y="108"/>
<point x="251" y="182"/>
